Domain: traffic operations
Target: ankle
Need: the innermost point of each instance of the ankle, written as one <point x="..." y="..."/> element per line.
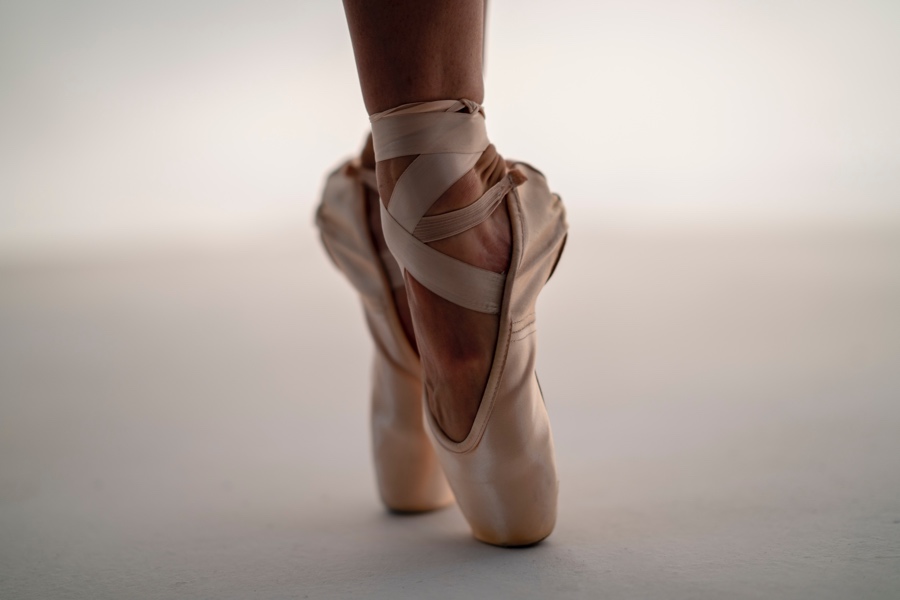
<point x="486" y="246"/>
<point x="489" y="169"/>
<point x="388" y="173"/>
<point x="367" y="156"/>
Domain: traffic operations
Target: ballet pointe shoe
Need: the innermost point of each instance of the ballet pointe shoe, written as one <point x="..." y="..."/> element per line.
<point x="408" y="473"/>
<point x="503" y="472"/>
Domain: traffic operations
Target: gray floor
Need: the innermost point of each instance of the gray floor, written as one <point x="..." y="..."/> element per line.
<point x="192" y="424"/>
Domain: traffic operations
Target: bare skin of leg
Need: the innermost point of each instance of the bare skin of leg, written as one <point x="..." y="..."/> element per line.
<point x="413" y="51"/>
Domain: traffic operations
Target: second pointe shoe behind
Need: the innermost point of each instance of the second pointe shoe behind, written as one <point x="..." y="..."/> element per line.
<point x="503" y="473"/>
<point x="407" y="471"/>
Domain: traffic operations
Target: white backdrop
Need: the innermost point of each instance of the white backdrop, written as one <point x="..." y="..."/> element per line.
<point x="136" y="121"/>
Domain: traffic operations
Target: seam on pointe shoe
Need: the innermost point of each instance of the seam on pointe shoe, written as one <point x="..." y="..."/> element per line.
<point x="526" y="336"/>
<point x="527" y="319"/>
<point x="528" y="327"/>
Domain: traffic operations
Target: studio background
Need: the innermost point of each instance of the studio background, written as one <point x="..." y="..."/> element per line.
<point x="183" y="375"/>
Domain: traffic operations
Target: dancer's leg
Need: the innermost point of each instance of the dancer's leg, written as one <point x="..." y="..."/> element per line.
<point x="412" y="51"/>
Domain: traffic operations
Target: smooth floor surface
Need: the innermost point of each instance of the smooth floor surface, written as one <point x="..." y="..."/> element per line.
<point x="193" y="424"/>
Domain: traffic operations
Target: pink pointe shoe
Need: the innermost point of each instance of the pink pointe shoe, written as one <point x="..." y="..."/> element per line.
<point x="409" y="476"/>
<point x="503" y="473"/>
